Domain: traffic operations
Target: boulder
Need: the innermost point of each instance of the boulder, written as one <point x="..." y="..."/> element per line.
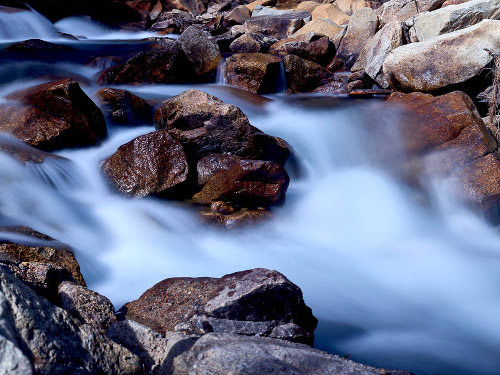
<point x="362" y="27"/>
<point x="233" y="219"/>
<point x="330" y="12"/>
<point x="252" y="302"/>
<point x="322" y="27"/>
<point x="256" y="72"/>
<point x="278" y="27"/>
<point x="200" y="49"/>
<point x="349" y="7"/>
<point x="314" y="47"/>
<point x="38" y="337"/>
<point x="247" y="183"/>
<point x="205" y="125"/>
<point x="153" y="163"/>
<point x="401" y="10"/>
<point x="445" y="60"/>
<point x="376" y="50"/>
<point x="455" y="17"/>
<point x="238" y="15"/>
<point x="86" y="305"/>
<point x="122" y="107"/>
<point x="251" y="6"/>
<point x="217" y="353"/>
<point x="173" y="22"/>
<point x="304" y="75"/>
<point x="52" y="116"/>
<point x="307" y="6"/>
<point x="164" y="62"/>
<point x="248" y="43"/>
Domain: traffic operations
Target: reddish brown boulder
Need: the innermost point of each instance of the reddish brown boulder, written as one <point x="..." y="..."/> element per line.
<point x="279" y="27"/>
<point x="256" y="72"/>
<point x="164" y="62"/>
<point x="52" y="116"/>
<point x="149" y="164"/>
<point x="252" y="302"/>
<point x="248" y="43"/>
<point x="122" y="107"/>
<point x="200" y="49"/>
<point x="205" y="125"/>
<point x="313" y="47"/>
<point x="304" y="75"/>
<point x="247" y="183"/>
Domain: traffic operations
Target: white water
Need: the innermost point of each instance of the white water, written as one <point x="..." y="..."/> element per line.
<point x="395" y="283"/>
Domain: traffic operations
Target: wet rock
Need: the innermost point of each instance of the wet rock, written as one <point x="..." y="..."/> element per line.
<point x="256" y="72"/>
<point x="122" y="107"/>
<point x="34" y="47"/>
<point x="322" y="27"/>
<point x="435" y="64"/>
<point x="248" y="43"/>
<point x="278" y="27"/>
<point x="173" y="22"/>
<point x="205" y="125"/>
<point x="246" y="183"/>
<point x="255" y="300"/>
<point x="376" y="50"/>
<point x="452" y="18"/>
<point x="362" y="26"/>
<point x="52" y="116"/>
<point x="237" y="219"/>
<point x="304" y="75"/>
<point x="238" y="355"/>
<point x="401" y="10"/>
<point x="85" y="304"/>
<point x="165" y="62"/>
<point x="153" y="163"/>
<point x="238" y="15"/>
<point x="200" y="49"/>
<point x="310" y="46"/>
<point x="330" y="12"/>
<point x="45" y="339"/>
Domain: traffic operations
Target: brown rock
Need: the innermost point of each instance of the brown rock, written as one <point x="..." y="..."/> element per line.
<point x="255" y="72"/>
<point x="239" y="219"/>
<point x="330" y="12"/>
<point x="122" y="107"/>
<point x="246" y="183"/>
<point x="200" y="49"/>
<point x="205" y="125"/>
<point x="239" y="15"/>
<point x="310" y="46"/>
<point x="152" y="163"/>
<point x="349" y="7"/>
<point x="322" y="27"/>
<point x="173" y="22"/>
<point x="52" y="116"/>
<point x="307" y="6"/>
<point x="401" y="10"/>
<point x="279" y="27"/>
<point x="251" y="301"/>
<point x="304" y="75"/>
<point x="251" y="6"/>
<point x="247" y="43"/>
<point x="165" y="62"/>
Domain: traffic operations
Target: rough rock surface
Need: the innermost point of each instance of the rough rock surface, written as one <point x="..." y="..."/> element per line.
<point x="322" y="27"/>
<point x="314" y="47"/>
<point x="401" y="10"/>
<point x="149" y="164"/>
<point x="40" y="337"/>
<point x="278" y="27"/>
<point x="235" y="219"/>
<point x="252" y="302"/>
<point x="444" y="60"/>
<point x="200" y="49"/>
<point x="52" y="116"/>
<point x="122" y="107"/>
<point x="205" y="125"/>
<point x="303" y="75"/>
<point x="330" y="12"/>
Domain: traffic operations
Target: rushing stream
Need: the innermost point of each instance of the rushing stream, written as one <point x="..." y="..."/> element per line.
<point x="394" y="282"/>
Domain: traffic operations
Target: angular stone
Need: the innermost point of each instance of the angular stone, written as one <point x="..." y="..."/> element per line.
<point x="322" y="27"/>
<point x="304" y="75"/>
<point x="122" y="107"/>
<point x="314" y="47"/>
<point x="330" y="12"/>
<point x="200" y="49"/>
<point x="401" y="10"/>
<point x="278" y="27"/>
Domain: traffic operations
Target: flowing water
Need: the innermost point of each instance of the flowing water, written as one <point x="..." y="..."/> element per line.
<point x="395" y="281"/>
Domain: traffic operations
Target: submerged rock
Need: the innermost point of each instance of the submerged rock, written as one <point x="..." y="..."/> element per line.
<point x="52" y="116"/>
<point x="122" y="107"/>
<point x="253" y="302"/>
<point x="232" y="219"/>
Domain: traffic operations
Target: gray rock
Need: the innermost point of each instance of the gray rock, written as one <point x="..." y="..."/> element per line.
<point x="401" y="10"/>
<point x="261" y="10"/>
<point x="87" y="305"/>
<point x="53" y="341"/>
<point x="241" y="355"/>
<point x="200" y="49"/>
<point x="374" y="53"/>
<point x="444" y="60"/>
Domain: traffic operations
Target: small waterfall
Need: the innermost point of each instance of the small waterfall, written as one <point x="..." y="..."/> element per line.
<point x="220" y="76"/>
<point x="19" y="24"/>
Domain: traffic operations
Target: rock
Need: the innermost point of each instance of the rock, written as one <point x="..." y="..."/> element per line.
<point x="335" y="65"/>
<point x="233" y="220"/>
<point x="40" y="337"/>
<point x="173" y="22"/>
<point x="314" y="47"/>
<point x="401" y="10"/>
<point x="200" y="50"/>
<point x="165" y="62"/>
<point x="52" y="116"/>
<point x="247" y="43"/>
<point x="58" y="256"/>
<point x="304" y="75"/>
<point x="205" y="125"/>
<point x="153" y="163"/>
<point x="456" y="17"/>
<point x="322" y="27"/>
<point x="88" y="306"/>
<point x="436" y="64"/>
<point x="251" y="6"/>
<point x="238" y="15"/>
<point x="453" y="2"/>
<point x="246" y="183"/>
<point x="34" y="47"/>
<point x="362" y="26"/>
<point x="376" y="50"/>
<point x="278" y="27"/>
<point x="238" y="355"/>
<point x="256" y="300"/>
<point x="331" y="12"/>
<point x="349" y="7"/>
<point x="260" y="11"/>
<point x="155" y="350"/>
<point x="122" y="107"/>
<point x="307" y="6"/>
<point x="256" y="72"/>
